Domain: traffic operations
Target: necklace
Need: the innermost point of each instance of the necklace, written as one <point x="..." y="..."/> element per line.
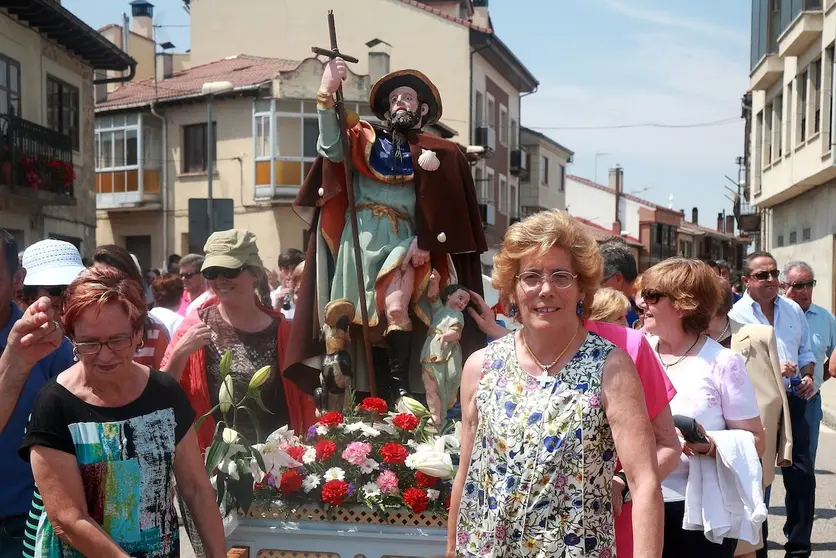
<point x="680" y="359"/>
<point x="547" y="367"/>
<point x="723" y="333"/>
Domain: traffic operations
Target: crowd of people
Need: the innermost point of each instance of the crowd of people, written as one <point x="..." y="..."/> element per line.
<point x="643" y="414"/>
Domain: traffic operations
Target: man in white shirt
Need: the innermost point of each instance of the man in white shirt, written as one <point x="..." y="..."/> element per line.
<point x="762" y="305"/>
<point x="798" y="281"/>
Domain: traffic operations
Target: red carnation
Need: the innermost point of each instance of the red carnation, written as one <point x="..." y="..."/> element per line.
<point x="291" y="482"/>
<point x="374" y="405"/>
<point x="331" y="419"/>
<point x="325" y="449"/>
<point x="394" y="454"/>
<point x="296" y="453"/>
<point x="334" y="492"/>
<point x="423" y="480"/>
<point x="406" y="421"/>
<point x="416" y="499"/>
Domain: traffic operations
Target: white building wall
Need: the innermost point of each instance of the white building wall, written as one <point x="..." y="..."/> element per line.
<point x="598" y="206"/>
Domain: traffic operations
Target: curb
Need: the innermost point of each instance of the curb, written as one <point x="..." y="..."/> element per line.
<point x="828" y="416"/>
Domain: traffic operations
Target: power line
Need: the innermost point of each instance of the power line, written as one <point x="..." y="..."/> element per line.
<point x="627" y="126"/>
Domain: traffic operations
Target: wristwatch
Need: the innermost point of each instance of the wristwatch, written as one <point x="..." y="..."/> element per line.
<point x="625" y="496"/>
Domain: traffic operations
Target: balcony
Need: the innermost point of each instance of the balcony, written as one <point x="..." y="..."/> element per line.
<point x="35" y="162"/>
<point x="768" y="71"/>
<point x="519" y="165"/>
<point x="802" y="33"/>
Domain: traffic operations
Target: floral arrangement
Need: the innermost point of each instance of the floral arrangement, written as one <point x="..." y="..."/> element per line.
<point x="39" y="173"/>
<point x="370" y="456"/>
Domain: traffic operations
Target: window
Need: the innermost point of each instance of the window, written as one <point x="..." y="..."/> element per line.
<point x="562" y="186"/>
<point x="758" y="152"/>
<point x="802" y="107"/>
<point x="806" y="234"/>
<point x="780" y="240"/>
<point x="121" y="144"/>
<point x="515" y="136"/>
<point x="789" y="119"/>
<point x="488" y="186"/>
<point x="477" y="181"/>
<point x="479" y="109"/>
<point x="816" y="80"/>
<point x="793" y="237"/>
<point x="513" y="202"/>
<point x="544" y="170"/>
<point x="503" y="194"/>
<point x="503" y="124"/>
<point x="62" y="109"/>
<point x="490" y="116"/>
<point x="767" y="136"/>
<point x="9" y="86"/>
<point x="828" y="107"/>
<point x="777" y="121"/>
<point x="195" y="154"/>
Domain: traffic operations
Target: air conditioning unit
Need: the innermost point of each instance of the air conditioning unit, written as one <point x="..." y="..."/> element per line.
<point x="486" y="137"/>
<point x="487" y="212"/>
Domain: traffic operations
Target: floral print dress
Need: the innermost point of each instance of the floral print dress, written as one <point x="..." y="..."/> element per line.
<point x="543" y="460"/>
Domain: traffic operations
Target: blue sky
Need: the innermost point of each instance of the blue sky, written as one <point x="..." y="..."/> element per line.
<point x="604" y="63"/>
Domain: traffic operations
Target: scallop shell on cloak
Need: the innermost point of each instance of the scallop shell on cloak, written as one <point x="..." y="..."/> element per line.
<point x="428" y="160"/>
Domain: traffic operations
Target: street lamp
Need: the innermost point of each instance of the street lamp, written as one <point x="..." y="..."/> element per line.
<point x="210" y="89"/>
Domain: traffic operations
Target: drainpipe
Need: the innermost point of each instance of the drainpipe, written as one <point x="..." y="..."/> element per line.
<point x="832" y="110"/>
<point x="164" y="159"/>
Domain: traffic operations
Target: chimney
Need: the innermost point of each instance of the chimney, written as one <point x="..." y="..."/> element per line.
<point x="481" y="17"/>
<point x="378" y="59"/>
<point x="165" y="65"/>
<point x="729" y="224"/>
<point x="616" y="228"/>
<point x="721" y="222"/>
<point x="695" y="216"/>
<point x="143" y="14"/>
<point x="617" y="185"/>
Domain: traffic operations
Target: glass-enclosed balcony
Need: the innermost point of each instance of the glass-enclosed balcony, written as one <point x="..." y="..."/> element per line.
<point x="129" y="160"/>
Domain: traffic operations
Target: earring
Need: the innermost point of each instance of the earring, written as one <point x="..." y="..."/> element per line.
<point x="75" y="354"/>
<point x="580" y="308"/>
<point x="513" y="311"/>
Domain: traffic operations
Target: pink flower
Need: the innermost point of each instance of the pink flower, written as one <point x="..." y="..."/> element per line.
<point x="356" y="453"/>
<point x="388" y="482"/>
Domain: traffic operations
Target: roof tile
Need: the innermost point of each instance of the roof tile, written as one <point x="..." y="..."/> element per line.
<point x="438" y="12"/>
<point x="239" y="70"/>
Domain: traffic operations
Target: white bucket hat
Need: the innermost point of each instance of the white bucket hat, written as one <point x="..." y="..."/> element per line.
<point x="51" y="263"/>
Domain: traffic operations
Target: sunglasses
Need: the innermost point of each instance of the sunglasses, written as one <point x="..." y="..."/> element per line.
<point x="801" y="286"/>
<point x="764" y="275"/>
<point x="31" y="291"/>
<point x="214" y="272"/>
<point x="189" y="275"/>
<point x="652" y="296"/>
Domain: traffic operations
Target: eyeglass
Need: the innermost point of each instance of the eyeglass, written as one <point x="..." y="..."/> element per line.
<point x="30" y="291"/>
<point x="652" y="296"/>
<point x="764" y="275"/>
<point x="189" y="275"/>
<point x="799" y="286"/>
<point x="94" y="347"/>
<point x="214" y="272"/>
<point x="559" y="279"/>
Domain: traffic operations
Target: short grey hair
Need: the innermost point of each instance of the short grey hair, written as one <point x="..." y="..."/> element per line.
<point x="192" y="260"/>
<point x="792" y="265"/>
<point x="618" y="258"/>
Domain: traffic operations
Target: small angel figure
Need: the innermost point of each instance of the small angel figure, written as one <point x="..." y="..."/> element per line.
<point x="441" y="356"/>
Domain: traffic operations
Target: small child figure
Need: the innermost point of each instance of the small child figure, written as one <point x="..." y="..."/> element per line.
<point x="441" y="356"/>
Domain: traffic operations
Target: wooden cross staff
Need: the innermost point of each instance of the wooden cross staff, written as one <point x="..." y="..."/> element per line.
<point x="334" y="52"/>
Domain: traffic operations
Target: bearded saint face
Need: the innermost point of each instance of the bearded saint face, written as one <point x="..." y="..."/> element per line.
<point x="405" y="109"/>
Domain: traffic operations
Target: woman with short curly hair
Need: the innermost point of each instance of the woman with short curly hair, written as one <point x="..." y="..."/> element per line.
<point x="548" y="410"/>
<point x="679" y="298"/>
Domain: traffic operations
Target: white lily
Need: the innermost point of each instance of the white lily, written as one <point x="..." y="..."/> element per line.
<point x="230" y="468"/>
<point x="274" y="458"/>
<point x="410" y="405"/>
<point x="432" y="459"/>
<point x="225" y="394"/>
<point x="255" y="470"/>
<point x="281" y="435"/>
<point x="232" y="439"/>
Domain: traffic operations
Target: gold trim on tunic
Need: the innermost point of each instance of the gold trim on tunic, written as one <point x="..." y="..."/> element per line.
<point x="381" y="210"/>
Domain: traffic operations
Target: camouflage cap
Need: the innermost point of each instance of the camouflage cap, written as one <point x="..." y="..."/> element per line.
<point x="231" y="249"/>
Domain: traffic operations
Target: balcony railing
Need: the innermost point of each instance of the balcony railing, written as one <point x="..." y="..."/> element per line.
<point x="34" y="157"/>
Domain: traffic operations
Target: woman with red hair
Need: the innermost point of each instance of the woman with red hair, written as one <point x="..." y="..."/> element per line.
<point x="108" y="436"/>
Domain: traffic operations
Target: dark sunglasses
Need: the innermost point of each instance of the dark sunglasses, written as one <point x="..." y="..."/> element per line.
<point x="214" y="272"/>
<point x="805" y="285"/>
<point x="652" y="297"/>
<point x="189" y="275"/>
<point x="764" y="275"/>
<point x="30" y="291"/>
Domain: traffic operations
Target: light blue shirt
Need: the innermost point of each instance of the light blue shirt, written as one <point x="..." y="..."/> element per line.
<point x="822" y="326"/>
<point x="791" y="329"/>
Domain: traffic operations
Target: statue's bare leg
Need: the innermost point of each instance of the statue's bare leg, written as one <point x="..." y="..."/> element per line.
<point x="398" y="333"/>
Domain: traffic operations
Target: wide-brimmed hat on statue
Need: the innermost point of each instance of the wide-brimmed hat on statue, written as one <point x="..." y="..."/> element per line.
<point x="427" y="93"/>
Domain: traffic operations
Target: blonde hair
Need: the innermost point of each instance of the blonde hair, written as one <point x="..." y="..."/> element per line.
<point x="690" y="285"/>
<point x="608" y="305"/>
<point x="535" y="236"/>
<point x="296" y="276"/>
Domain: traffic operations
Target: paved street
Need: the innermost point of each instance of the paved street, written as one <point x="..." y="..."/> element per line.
<point x="824" y="529"/>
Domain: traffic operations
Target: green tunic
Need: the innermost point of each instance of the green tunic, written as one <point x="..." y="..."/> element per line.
<point x="443" y="359"/>
<point x="385" y="223"/>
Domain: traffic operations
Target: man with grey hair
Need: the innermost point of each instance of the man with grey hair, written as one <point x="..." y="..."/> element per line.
<point x="193" y="284"/>
<point x="620" y="271"/>
<point x="797" y="282"/>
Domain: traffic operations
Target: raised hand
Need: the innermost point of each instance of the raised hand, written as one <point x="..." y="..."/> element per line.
<point x="333" y="76"/>
<point x="36" y="334"/>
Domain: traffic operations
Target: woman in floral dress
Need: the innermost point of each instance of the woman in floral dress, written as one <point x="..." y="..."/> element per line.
<point x="547" y="411"/>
